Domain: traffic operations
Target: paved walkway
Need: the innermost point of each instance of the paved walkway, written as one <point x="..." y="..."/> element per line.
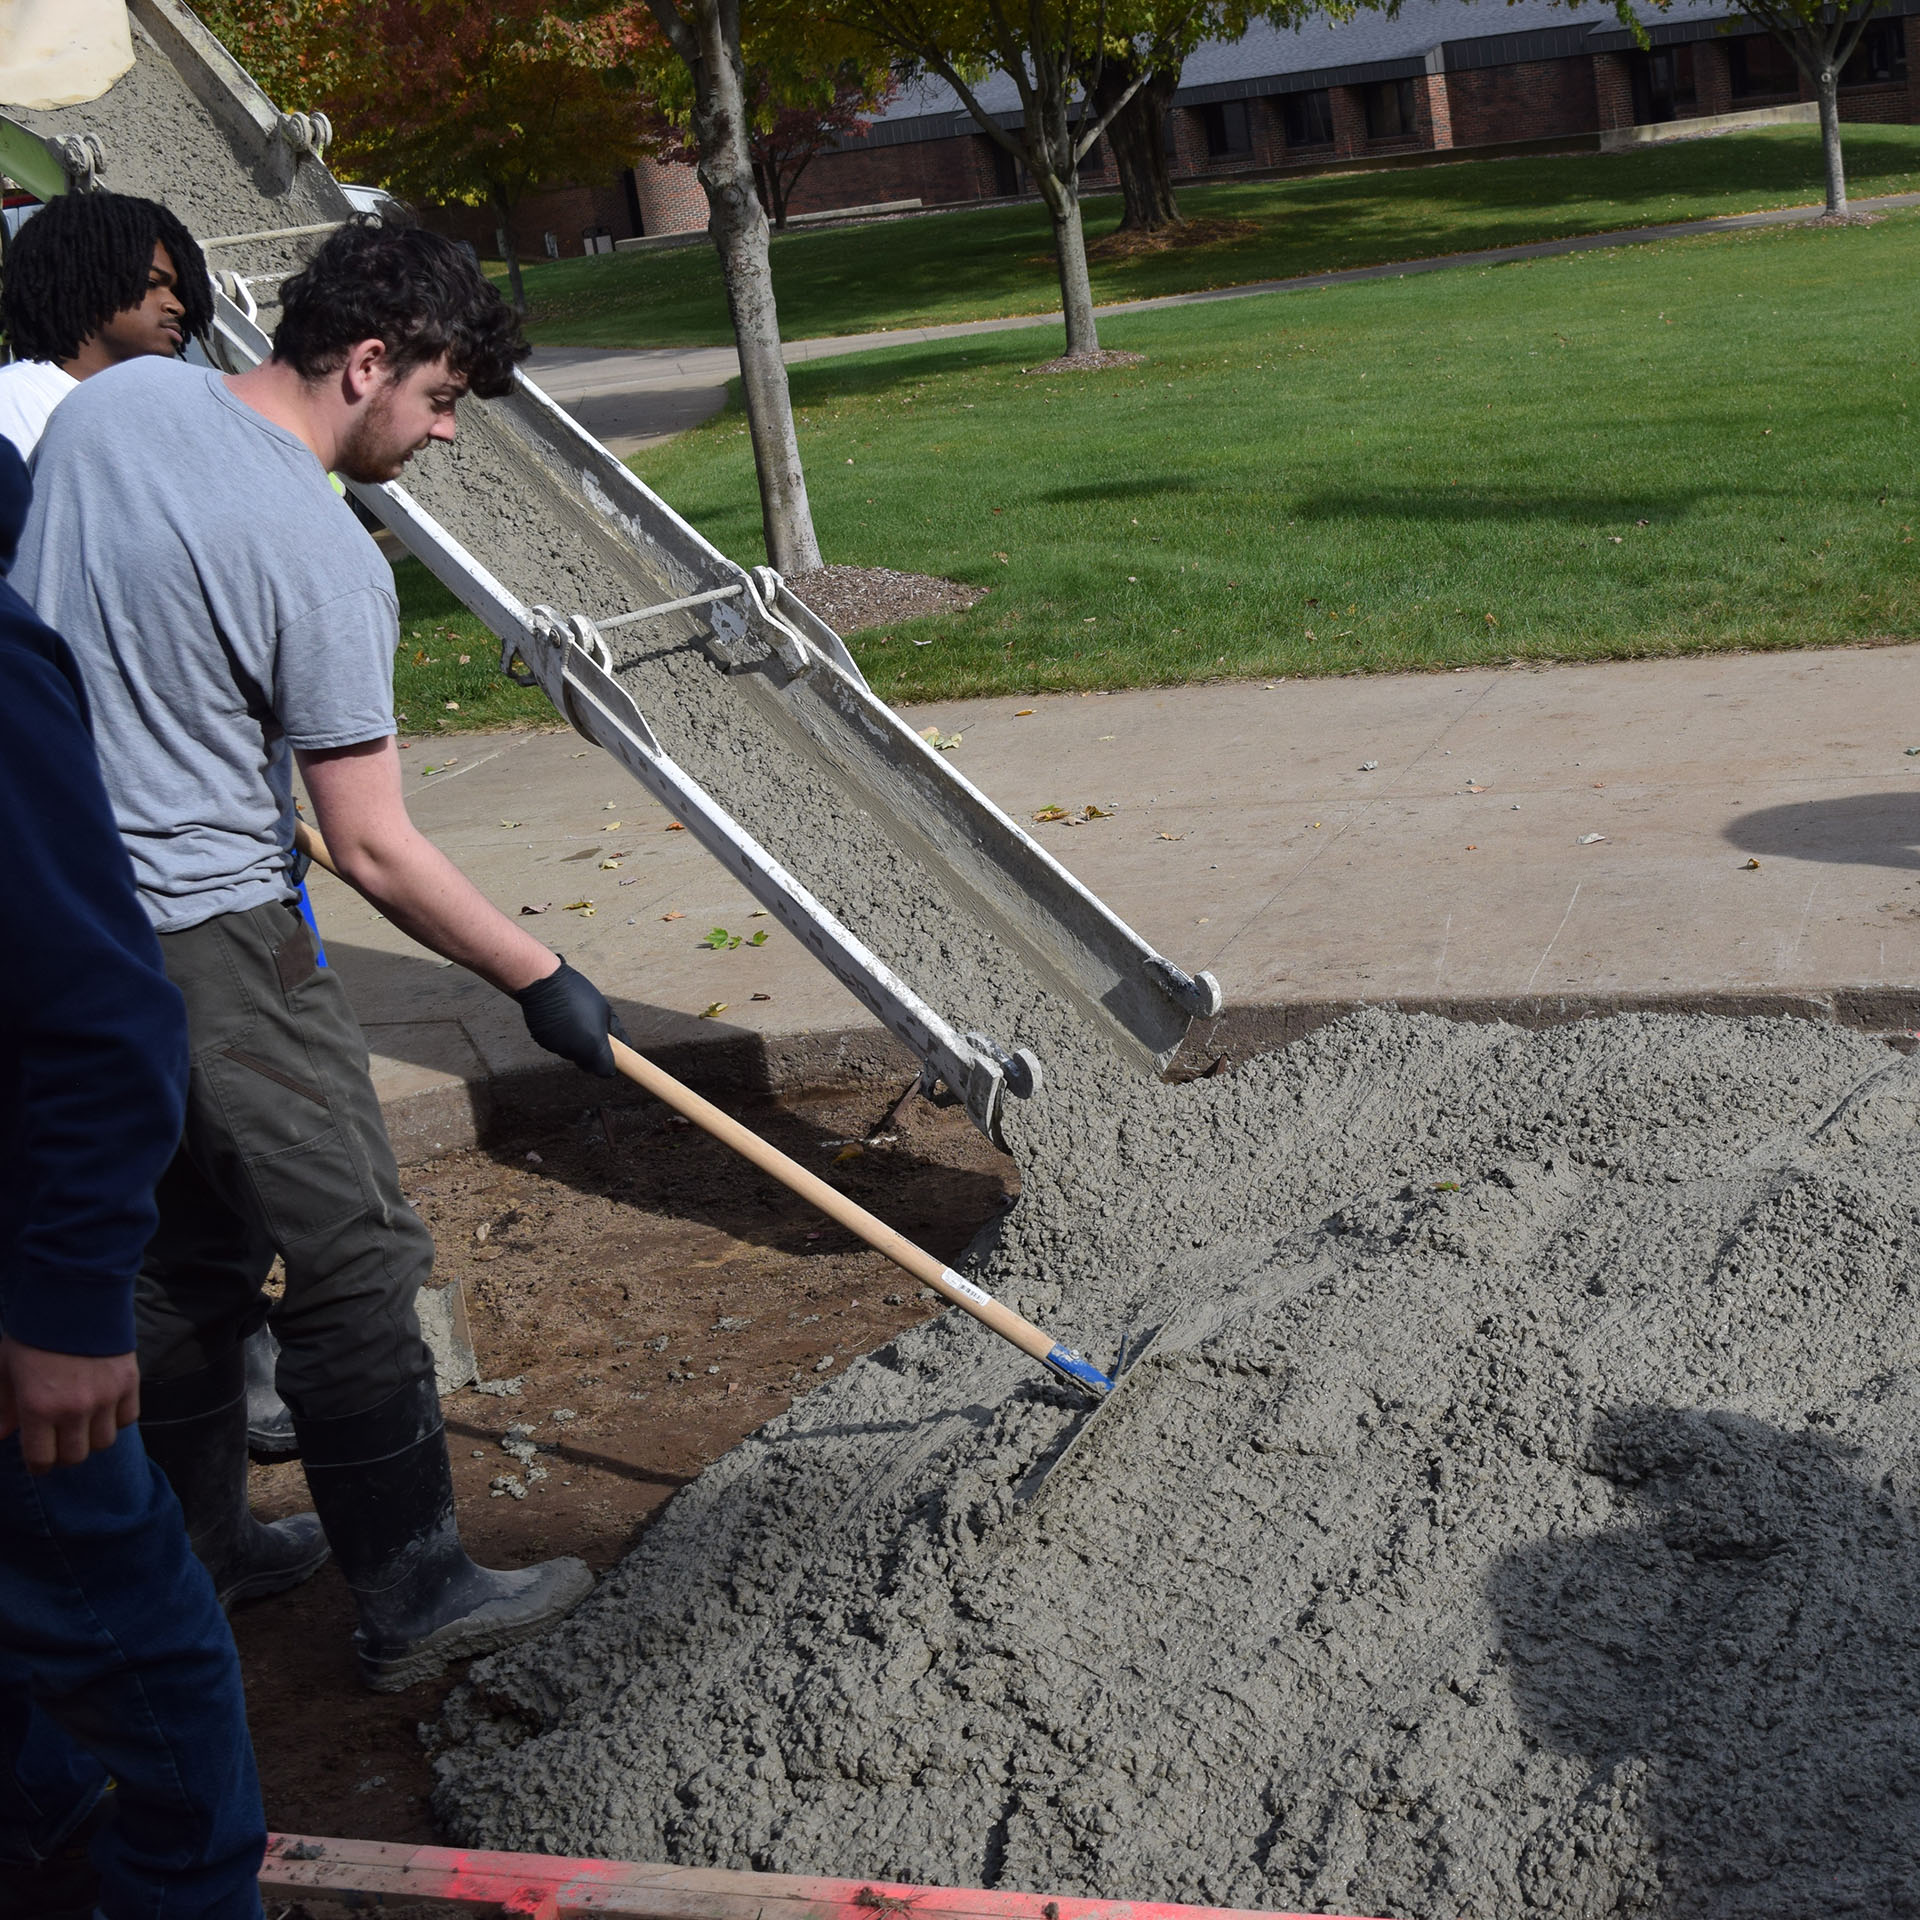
<point x="1249" y="835"/>
<point x="633" y="398"/>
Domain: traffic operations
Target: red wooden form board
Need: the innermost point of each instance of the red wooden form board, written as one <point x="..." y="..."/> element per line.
<point x="372" y="1873"/>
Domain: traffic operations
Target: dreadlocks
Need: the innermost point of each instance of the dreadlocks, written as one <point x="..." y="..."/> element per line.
<point x="85" y="257"/>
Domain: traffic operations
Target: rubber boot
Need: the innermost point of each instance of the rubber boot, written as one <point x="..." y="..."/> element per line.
<point x="270" y="1435"/>
<point x="384" y="1488"/>
<point x="195" y="1429"/>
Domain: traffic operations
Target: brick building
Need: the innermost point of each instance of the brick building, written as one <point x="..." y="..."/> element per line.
<point x="1437" y="76"/>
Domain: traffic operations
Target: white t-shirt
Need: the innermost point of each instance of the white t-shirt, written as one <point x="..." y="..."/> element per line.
<point x="29" y="392"/>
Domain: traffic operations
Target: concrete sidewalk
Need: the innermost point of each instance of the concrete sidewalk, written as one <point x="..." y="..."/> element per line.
<point x="1250" y="835"/>
<point x="630" y="398"/>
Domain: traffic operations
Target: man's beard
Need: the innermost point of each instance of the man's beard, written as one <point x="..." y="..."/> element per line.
<point x="371" y="454"/>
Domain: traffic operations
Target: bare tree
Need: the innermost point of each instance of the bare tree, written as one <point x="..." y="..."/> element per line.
<point x="705" y="34"/>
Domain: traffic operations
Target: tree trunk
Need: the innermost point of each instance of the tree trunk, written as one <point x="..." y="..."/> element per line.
<point x="514" y="281"/>
<point x="1138" y="136"/>
<point x="1070" y="252"/>
<point x="1826" y="82"/>
<point x="739" y="226"/>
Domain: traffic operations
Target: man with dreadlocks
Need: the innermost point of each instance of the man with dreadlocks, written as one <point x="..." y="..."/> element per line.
<point x="93" y="279"/>
<point x="225" y="630"/>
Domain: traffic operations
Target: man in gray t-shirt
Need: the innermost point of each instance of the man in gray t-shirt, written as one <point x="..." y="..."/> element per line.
<point x="231" y="618"/>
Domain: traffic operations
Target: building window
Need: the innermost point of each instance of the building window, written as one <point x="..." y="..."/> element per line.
<point x="1228" y="129"/>
<point x="1758" y="64"/>
<point x="1307" y="118"/>
<point x="1663" y="86"/>
<point x="1881" y="57"/>
<point x="1390" y="109"/>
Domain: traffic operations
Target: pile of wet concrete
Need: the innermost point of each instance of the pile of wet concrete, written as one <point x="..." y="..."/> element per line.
<point x="1515" y="1513"/>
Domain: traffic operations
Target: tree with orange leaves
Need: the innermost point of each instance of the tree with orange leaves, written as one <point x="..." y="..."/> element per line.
<point x="472" y="102"/>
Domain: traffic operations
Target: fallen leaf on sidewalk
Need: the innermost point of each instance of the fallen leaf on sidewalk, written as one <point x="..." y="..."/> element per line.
<point x="1173" y="836"/>
<point x="714" y="1010"/>
<point x="1750" y="866"/>
<point x="1473" y="787"/>
<point x="608" y="866"/>
<point x="584" y="908"/>
<point x="612" y="826"/>
<point x="1096" y="813"/>
<point x="1589" y="839"/>
<point x="1023" y="713"/>
<point x="673" y="826"/>
<point x="676" y="914"/>
<point x="1051" y="813"/>
<point x="763" y="996"/>
<point x="1369" y="766"/>
<point x="509" y="823"/>
<point x="608" y="806"/>
<point x="536" y="909"/>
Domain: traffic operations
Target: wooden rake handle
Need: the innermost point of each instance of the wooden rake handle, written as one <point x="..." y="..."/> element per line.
<point x="1010" y="1326"/>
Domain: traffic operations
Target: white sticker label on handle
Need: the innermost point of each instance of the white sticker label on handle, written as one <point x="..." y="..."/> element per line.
<point x="966" y="1288"/>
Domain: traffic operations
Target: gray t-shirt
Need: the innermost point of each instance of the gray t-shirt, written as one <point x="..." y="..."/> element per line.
<point x="225" y="607"/>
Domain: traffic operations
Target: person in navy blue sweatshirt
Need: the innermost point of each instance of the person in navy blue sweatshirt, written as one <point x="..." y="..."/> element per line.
<point x="127" y="1782"/>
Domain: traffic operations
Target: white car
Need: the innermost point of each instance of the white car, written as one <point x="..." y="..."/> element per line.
<point x="374" y="200"/>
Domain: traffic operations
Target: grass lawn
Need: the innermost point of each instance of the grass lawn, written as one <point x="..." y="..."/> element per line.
<point x="974" y="265"/>
<point x="447" y="655"/>
<point x="1698" y="444"/>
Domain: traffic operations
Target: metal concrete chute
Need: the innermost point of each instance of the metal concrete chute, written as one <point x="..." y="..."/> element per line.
<point x="689" y="669"/>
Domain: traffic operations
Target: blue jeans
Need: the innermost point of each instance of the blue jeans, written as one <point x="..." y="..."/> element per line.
<point x="116" y="1661"/>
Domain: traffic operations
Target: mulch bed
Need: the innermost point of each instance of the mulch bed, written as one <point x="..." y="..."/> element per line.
<point x="1130" y="245"/>
<point x="849" y="599"/>
<point x="1101" y="362"/>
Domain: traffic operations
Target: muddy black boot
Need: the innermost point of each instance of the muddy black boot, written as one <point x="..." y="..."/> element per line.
<point x="382" y="1483"/>
<point x="195" y="1429"/>
<point x="270" y="1436"/>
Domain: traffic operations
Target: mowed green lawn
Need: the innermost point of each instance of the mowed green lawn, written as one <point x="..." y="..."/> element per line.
<point x="975" y="265"/>
<point x="1696" y="444"/>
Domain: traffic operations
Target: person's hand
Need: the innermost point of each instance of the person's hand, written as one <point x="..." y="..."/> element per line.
<point x="65" y="1405"/>
<point x="569" y="1016"/>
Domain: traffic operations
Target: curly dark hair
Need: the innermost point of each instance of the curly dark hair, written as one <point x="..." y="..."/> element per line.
<point x="84" y="257"/>
<point x="419" y="293"/>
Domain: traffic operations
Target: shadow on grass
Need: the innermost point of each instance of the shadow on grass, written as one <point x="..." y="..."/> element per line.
<point x="1144" y="486"/>
<point x="1470" y="503"/>
<point x="1861" y="830"/>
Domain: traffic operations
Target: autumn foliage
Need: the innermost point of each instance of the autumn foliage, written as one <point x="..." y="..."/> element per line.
<point x="471" y="102"/>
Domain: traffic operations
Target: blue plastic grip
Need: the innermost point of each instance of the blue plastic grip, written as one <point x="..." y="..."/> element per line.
<point x="1081" y="1372"/>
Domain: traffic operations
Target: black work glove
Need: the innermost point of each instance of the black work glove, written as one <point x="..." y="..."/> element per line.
<point x="569" y="1016"/>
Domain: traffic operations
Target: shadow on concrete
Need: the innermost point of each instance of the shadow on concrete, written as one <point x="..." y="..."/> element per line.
<point x="1738" y="1662"/>
<point x="1860" y="829"/>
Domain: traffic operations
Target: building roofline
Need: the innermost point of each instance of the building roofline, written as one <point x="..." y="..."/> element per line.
<point x="1465" y="54"/>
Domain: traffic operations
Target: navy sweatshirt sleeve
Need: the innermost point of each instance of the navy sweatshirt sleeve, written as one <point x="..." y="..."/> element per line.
<point x="93" y="1036"/>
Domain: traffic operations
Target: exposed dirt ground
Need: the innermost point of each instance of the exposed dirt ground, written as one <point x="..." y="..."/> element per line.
<point x="655" y="1299"/>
